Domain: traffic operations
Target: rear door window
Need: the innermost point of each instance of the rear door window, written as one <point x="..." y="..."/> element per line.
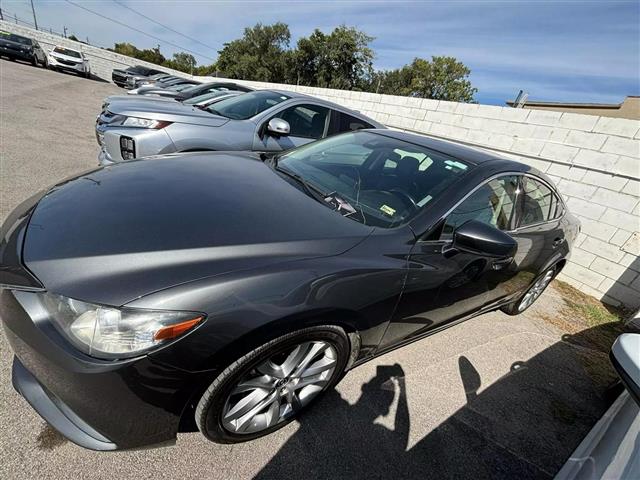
<point x="343" y="122"/>
<point x="539" y="203"/>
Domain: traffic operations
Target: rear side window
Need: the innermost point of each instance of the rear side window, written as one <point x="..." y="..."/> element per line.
<point x="493" y="203"/>
<point x="539" y="203"/>
<point x="348" y="123"/>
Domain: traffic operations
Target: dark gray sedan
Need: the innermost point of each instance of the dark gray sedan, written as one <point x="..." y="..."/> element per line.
<point x="221" y="291"/>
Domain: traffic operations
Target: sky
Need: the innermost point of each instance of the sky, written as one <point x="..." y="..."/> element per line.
<point x="568" y="51"/>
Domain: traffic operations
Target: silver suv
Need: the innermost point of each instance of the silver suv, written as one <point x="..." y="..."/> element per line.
<point x="264" y="120"/>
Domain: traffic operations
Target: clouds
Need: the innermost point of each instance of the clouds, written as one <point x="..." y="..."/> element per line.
<point x="563" y="51"/>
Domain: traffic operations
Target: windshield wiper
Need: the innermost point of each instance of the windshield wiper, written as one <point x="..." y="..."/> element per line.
<point x="312" y="191"/>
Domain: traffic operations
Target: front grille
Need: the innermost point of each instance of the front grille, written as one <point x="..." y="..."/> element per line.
<point x="66" y="62"/>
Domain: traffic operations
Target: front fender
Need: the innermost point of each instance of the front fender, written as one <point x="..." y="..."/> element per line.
<point x="247" y="309"/>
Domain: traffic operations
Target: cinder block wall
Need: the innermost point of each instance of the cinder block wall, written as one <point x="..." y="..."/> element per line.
<point x="595" y="161"/>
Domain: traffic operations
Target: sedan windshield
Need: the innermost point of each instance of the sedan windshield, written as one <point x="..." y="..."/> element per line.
<point x="373" y="178"/>
<point x="246" y="106"/>
<point x="15" y="38"/>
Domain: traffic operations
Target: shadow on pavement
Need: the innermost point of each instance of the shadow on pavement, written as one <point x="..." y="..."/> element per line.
<point x="525" y="425"/>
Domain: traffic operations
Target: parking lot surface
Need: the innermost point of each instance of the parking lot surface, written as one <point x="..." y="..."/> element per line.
<point x="494" y="397"/>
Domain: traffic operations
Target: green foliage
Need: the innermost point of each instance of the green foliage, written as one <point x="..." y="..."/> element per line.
<point x="73" y="37"/>
<point x="442" y="78"/>
<point x="261" y="54"/>
<point x="185" y="62"/>
<point x="341" y="59"/>
<point x="151" y="55"/>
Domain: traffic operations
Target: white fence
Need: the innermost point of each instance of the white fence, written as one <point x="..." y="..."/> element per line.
<point x="595" y="161"/>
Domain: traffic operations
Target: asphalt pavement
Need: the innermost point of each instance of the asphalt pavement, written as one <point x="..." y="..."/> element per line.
<point x="494" y="397"/>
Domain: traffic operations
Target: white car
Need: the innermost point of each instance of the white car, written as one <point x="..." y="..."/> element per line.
<point x="62" y="58"/>
<point x="611" y="450"/>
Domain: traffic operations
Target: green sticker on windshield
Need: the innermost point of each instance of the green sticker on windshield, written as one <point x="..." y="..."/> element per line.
<point x="386" y="209"/>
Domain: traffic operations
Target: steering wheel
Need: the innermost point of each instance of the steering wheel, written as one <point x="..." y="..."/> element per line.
<point x="405" y="198"/>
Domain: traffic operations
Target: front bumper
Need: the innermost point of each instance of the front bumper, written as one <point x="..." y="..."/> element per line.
<point x="56" y="413"/>
<point x="78" y="67"/>
<point x="100" y="405"/>
<point x="148" y="142"/>
<point x="14" y="53"/>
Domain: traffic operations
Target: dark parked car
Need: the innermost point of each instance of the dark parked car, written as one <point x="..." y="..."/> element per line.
<point x="228" y="290"/>
<point x="188" y="90"/>
<point x="17" y="47"/>
<point x="120" y="76"/>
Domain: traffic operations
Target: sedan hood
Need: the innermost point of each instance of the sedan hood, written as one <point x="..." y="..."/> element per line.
<point x="168" y="111"/>
<point x="115" y="234"/>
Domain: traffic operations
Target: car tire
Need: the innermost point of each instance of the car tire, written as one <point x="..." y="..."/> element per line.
<point x="220" y="402"/>
<point x="532" y="293"/>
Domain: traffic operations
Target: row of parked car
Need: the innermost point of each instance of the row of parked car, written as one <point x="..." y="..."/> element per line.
<point x="18" y="47"/>
<point x="163" y="113"/>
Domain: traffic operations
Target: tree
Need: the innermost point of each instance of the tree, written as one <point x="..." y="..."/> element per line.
<point x="442" y="78"/>
<point x="341" y="59"/>
<point x="185" y="62"/>
<point x="73" y="37"/>
<point x="261" y="54"/>
<point x="151" y="55"/>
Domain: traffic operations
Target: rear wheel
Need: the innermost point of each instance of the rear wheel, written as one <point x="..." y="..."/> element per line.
<point x="532" y="294"/>
<point x="267" y="388"/>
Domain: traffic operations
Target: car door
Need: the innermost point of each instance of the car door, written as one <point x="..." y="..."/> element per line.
<point x="307" y="122"/>
<point x="442" y="287"/>
<point x="539" y="232"/>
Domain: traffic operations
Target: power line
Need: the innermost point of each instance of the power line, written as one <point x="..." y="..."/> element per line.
<point x="163" y="26"/>
<point x="137" y="30"/>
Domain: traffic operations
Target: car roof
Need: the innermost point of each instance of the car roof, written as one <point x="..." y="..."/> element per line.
<point x="465" y="153"/>
<point x="326" y="103"/>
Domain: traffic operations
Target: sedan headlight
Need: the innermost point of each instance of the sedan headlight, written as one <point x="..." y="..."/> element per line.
<point x="144" y="123"/>
<point x="107" y="332"/>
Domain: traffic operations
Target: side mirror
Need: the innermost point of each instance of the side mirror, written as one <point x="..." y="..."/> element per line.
<point x="625" y="359"/>
<point x="278" y="127"/>
<point x="477" y="237"/>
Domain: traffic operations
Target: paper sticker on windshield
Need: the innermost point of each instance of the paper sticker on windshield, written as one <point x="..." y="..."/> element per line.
<point x="386" y="209"/>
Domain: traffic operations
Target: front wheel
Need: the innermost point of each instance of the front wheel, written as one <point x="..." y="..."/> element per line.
<point x="267" y="388"/>
<point x="532" y="294"/>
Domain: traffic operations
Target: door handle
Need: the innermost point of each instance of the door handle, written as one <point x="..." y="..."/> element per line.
<point x="502" y="263"/>
<point x="557" y="242"/>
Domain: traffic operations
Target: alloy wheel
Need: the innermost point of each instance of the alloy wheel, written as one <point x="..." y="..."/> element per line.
<point x="536" y="290"/>
<point x="274" y="390"/>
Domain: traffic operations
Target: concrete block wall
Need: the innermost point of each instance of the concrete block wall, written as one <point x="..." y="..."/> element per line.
<point x="594" y="161"/>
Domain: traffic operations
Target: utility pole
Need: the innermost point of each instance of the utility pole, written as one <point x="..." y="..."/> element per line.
<point x="35" y="21"/>
<point x="64" y="29"/>
<point x="1" y="16"/>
